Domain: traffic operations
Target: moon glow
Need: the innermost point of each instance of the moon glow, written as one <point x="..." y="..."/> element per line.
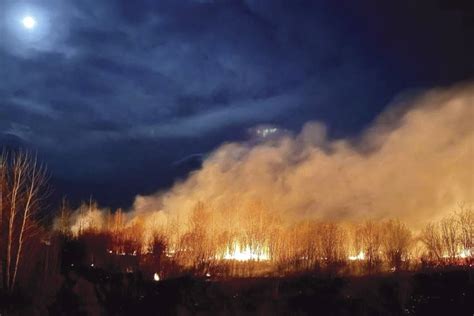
<point x="28" y="22"/>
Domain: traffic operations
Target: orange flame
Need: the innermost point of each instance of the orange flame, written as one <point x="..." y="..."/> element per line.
<point x="246" y="253"/>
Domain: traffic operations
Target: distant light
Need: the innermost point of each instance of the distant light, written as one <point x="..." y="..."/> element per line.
<point x="156" y="277"/>
<point x="266" y="131"/>
<point x="29" y="22"/>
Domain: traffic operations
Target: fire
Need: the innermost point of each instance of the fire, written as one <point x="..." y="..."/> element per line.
<point x="156" y="277"/>
<point x="246" y="253"/>
<point x="461" y="254"/>
<point x="465" y="253"/>
<point x="359" y="256"/>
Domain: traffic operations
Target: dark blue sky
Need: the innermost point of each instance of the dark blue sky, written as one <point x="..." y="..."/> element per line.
<point x="115" y="95"/>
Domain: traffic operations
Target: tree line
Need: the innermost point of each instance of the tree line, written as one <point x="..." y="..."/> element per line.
<point x="253" y="237"/>
<point x="205" y="241"/>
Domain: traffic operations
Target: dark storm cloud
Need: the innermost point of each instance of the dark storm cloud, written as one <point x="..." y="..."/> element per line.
<point x="114" y="89"/>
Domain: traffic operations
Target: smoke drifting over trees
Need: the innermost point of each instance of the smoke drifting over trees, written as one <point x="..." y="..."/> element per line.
<point x="305" y="201"/>
<point x="414" y="163"/>
<point x="399" y="198"/>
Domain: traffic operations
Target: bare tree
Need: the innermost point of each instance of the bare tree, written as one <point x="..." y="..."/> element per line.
<point x="465" y="219"/>
<point x="331" y="242"/>
<point x="450" y="236"/>
<point x="196" y="240"/>
<point x="397" y="239"/>
<point x="295" y="247"/>
<point x="22" y="190"/>
<point x="371" y="239"/>
<point x="431" y="238"/>
<point x="64" y="221"/>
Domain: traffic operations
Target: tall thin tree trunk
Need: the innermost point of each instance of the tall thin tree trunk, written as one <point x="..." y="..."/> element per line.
<point x="23" y="224"/>
<point x="20" y="184"/>
<point x="11" y="223"/>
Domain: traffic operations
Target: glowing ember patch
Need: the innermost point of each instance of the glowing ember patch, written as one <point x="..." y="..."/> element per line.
<point x="465" y="253"/>
<point x="461" y="254"/>
<point x="246" y="253"/>
<point x="359" y="256"/>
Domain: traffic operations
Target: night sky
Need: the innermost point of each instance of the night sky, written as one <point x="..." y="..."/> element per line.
<point x="121" y="98"/>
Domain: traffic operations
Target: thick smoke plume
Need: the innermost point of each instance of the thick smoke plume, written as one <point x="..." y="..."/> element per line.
<point x="415" y="162"/>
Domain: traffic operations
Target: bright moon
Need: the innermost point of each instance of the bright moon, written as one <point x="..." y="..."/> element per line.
<point x="28" y="22"/>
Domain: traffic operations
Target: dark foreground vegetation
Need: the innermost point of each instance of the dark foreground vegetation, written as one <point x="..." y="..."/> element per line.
<point x="93" y="291"/>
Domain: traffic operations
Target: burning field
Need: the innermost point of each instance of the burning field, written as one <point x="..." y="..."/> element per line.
<point x="395" y="198"/>
<point x="237" y="157"/>
<point x="381" y="223"/>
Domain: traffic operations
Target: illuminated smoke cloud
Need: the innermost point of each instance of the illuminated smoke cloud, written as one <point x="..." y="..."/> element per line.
<point x="415" y="163"/>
